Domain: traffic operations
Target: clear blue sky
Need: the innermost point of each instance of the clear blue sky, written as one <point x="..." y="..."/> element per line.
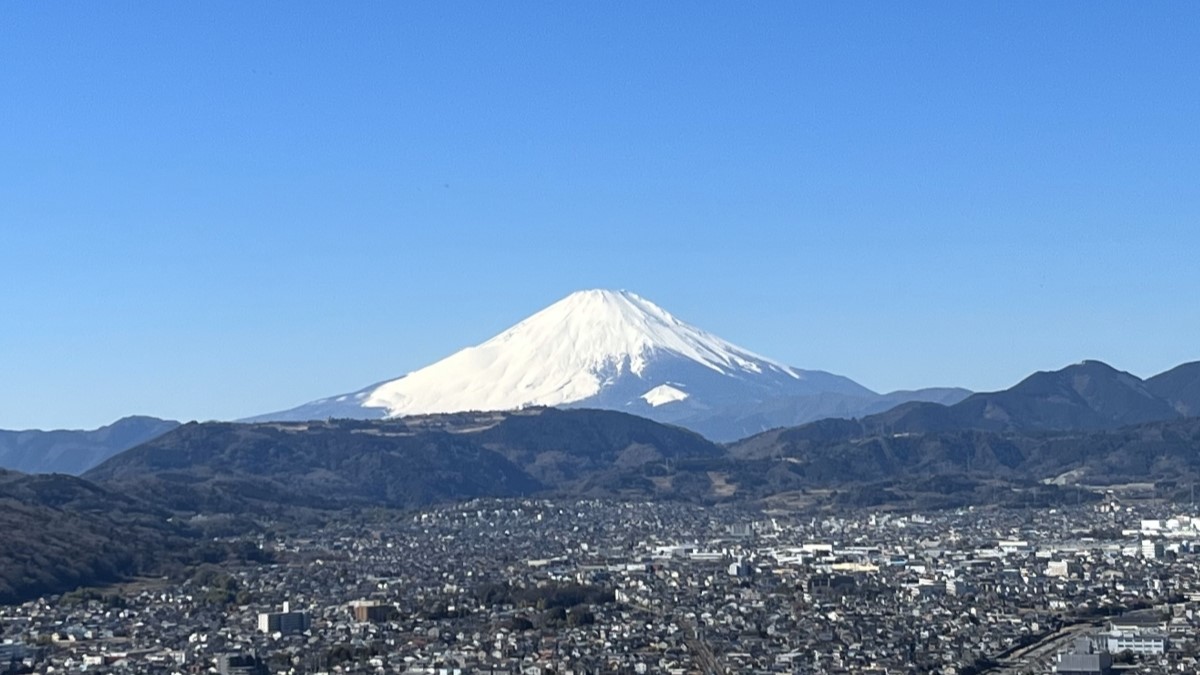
<point x="211" y="210"/>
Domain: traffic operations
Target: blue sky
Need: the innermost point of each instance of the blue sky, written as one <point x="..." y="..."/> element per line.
<point x="211" y="210"/>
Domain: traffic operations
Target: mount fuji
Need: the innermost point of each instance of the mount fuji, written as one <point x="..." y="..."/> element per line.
<point x="618" y="351"/>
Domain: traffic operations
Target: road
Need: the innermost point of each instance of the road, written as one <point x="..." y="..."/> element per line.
<point x="1041" y="652"/>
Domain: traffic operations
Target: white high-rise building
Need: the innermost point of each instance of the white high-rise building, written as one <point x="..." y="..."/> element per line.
<point x="286" y="622"/>
<point x="1152" y="549"/>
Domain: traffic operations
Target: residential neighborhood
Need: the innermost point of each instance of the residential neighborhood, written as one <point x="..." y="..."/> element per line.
<point x="544" y="586"/>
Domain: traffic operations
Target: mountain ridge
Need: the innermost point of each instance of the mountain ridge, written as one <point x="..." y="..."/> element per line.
<point x="1180" y="386"/>
<point x="74" y="451"/>
<point x="240" y="473"/>
<point x="1086" y="396"/>
<point x="406" y="462"/>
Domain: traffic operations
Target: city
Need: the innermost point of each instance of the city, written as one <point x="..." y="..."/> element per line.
<point x="599" y="338"/>
<point x="544" y="586"/>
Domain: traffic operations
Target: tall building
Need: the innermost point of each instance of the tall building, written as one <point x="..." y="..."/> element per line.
<point x="286" y="622"/>
<point x="741" y="568"/>
<point x="1152" y="549"/>
<point x="371" y="612"/>
<point x="10" y="657"/>
<point x="1063" y="568"/>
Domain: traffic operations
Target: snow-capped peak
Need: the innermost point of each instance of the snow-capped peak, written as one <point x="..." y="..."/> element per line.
<point x="598" y="349"/>
<point x="601" y="325"/>
<point x="565" y="353"/>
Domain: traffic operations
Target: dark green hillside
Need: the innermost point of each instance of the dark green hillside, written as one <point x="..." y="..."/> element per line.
<point x="224" y="466"/>
<point x="1153" y="451"/>
<point x="559" y="446"/>
<point x="62" y="532"/>
<point x="401" y="463"/>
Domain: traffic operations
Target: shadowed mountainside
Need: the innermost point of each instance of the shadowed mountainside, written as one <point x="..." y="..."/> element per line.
<point x="1088" y="396"/>
<point x="62" y="532"/>
<point x="400" y="463"/>
<point x="1180" y="386"/>
<point x="832" y="453"/>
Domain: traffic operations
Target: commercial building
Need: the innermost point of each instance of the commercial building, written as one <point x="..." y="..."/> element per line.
<point x="286" y="622"/>
<point x="371" y="612"/>
<point x="1063" y="568"/>
<point x="1136" y="642"/>
<point x="1154" y="550"/>
<point x="1084" y="659"/>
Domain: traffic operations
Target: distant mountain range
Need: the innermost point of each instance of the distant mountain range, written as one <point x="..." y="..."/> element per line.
<point x="1098" y="423"/>
<point x="1087" y="396"/>
<point x="1086" y="423"/>
<point x="734" y="422"/>
<point x="1034" y="444"/>
<point x="839" y="452"/>
<point x="603" y="394"/>
<point x="618" y="351"/>
<point x="75" y="451"/>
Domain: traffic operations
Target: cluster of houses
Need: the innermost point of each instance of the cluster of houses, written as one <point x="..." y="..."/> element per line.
<point x="537" y="586"/>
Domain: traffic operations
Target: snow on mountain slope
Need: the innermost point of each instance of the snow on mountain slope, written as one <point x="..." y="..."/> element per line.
<point x="565" y="353"/>
<point x="663" y="394"/>
<point x="595" y="348"/>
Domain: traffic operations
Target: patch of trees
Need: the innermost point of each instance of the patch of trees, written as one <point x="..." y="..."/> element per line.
<point x="340" y="654"/>
<point x="219" y="588"/>
<point x="83" y="596"/>
<point x="546" y="597"/>
<point x="981" y="665"/>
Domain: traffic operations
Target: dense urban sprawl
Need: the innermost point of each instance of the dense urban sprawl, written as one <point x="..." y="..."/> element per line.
<point x="536" y="586"/>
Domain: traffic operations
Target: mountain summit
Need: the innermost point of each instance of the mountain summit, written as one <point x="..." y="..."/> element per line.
<point x="590" y="344"/>
<point x="594" y="348"/>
